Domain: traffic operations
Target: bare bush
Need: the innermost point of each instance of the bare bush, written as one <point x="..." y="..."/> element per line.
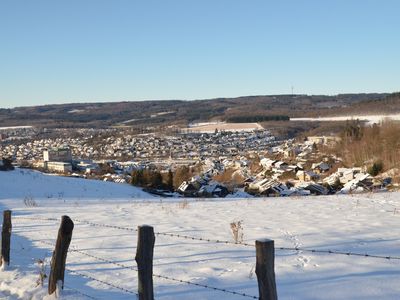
<point x="184" y="204"/>
<point x="251" y="273"/>
<point x="30" y="202"/>
<point x="42" y="272"/>
<point x="237" y="231"/>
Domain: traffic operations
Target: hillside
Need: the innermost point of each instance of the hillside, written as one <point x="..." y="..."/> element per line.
<point x="387" y="105"/>
<point x="31" y="185"/>
<point x="100" y="263"/>
<point x="160" y="113"/>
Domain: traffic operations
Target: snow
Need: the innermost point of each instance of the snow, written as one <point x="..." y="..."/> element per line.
<point x="74" y="111"/>
<point x="24" y="184"/>
<point x="210" y="127"/>
<point x="370" y="119"/>
<point x="15" y="127"/>
<point x="364" y="223"/>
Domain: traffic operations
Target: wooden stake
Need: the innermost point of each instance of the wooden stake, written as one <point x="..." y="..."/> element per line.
<point x="60" y="254"/>
<point x="265" y="269"/>
<point x="144" y="260"/>
<point x="6" y="239"/>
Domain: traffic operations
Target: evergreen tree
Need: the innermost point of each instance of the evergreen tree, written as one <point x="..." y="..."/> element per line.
<point x="7" y="165"/>
<point x="156" y="181"/>
<point x="137" y="177"/>
<point x="376" y="168"/>
<point x="170" y="180"/>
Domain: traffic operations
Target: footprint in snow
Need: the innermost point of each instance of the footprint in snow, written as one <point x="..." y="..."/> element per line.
<point x="303" y="261"/>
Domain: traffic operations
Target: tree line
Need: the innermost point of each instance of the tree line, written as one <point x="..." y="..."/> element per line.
<point x="377" y="147"/>
<point x="153" y="178"/>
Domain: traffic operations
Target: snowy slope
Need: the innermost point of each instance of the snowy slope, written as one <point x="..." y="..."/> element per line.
<point x="22" y="183"/>
<point x="366" y="223"/>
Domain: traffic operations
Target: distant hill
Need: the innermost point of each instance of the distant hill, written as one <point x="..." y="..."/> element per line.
<point x="388" y="104"/>
<point x="153" y="113"/>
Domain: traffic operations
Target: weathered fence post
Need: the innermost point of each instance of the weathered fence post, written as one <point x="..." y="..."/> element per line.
<point x="64" y="237"/>
<point x="6" y="239"/>
<point x="144" y="260"/>
<point x="265" y="269"/>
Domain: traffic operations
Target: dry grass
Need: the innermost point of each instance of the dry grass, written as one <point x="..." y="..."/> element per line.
<point x="183" y="204"/>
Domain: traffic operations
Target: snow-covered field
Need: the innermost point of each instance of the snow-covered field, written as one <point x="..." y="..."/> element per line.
<point x="15" y="127"/>
<point x="370" y="119"/>
<point x="222" y="126"/>
<point x="26" y="184"/>
<point x="367" y="223"/>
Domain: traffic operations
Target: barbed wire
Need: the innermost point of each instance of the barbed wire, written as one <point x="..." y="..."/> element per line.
<point x="175" y="235"/>
<point x="76" y="220"/>
<point x="347" y="253"/>
<point x="75" y="250"/>
<point x="106" y="225"/>
<point x="165" y="277"/>
<point x="101" y="281"/>
<point x="198" y="284"/>
<point x="247" y="244"/>
<point x="187" y="237"/>
<point x="84" y="275"/>
<point x="337" y="252"/>
<point x="80" y="292"/>
<point x="205" y="286"/>
<point x="19" y="217"/>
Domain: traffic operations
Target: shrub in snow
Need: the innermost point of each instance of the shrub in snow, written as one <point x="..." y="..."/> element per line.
<point x="42" y="272"/>
<point x="30" y="202"/>
<point x="237" y="231"/>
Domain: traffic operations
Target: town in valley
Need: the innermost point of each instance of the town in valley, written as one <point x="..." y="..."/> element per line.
<point x="214" y="159"/>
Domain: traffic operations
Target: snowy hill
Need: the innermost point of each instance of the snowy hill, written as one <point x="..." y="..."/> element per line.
<point x="22" y="183"/>
<point x="101" y="265"/>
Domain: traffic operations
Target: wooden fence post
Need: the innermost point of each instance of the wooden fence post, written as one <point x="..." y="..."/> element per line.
<point x="265" y="269"/>
<point x="6" y="239"/>
<point x="57" y="270"/>
<point x="144" y="260"/>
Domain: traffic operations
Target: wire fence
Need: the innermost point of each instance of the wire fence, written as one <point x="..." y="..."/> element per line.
<point x="113" y="285"/>
<point x="80" y="292"/>
<point x="73" y="249"/>
<point x="123" y="266"/>
<point x="77" y="291"/>
<point x="109" y="283"/>
<point x="216" y="241"/>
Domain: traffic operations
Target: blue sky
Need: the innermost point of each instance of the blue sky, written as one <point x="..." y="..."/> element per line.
<point x="115" y="50"/>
